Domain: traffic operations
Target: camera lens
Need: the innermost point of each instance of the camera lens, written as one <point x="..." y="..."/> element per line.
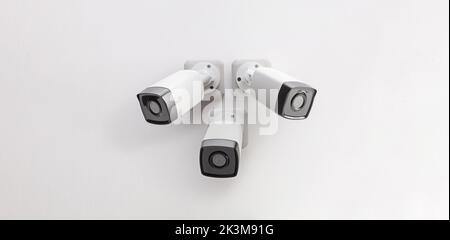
<point x="154" y="107"/>
<point x="218" y="159"/>
<point x="298" y="101"/>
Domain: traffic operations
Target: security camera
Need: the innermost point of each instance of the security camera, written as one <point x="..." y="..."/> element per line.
<point x="295" y="98"/>
<point x="173" y="96"/>
<point x="221" y="146"/>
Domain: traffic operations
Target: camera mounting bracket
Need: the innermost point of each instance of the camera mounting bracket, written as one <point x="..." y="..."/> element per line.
<point x="212" y="68"/>
<point x="242" y="71"/>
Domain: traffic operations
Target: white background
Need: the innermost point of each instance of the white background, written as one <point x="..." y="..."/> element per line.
<point x="73" y="142"/>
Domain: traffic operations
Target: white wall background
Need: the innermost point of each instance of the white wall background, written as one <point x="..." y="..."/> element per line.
<point x="73" y="143"/>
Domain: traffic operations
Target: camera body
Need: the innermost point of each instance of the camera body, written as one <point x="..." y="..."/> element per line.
<point x="294" y="98"/>
<point x="173" y="96"/>
<point x="221" y="146"/>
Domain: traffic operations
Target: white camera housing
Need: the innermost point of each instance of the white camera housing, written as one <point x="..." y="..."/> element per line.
<point x="173" y="96"/>
<point x="221" y="147"/>
<point x="295" y="98"/>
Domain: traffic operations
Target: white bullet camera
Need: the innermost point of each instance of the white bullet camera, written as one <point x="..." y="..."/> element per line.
<point x="220" y="152"/>
<point x="178" y="93"/>
<point x="221" y="147"/>
<point x="295" y="98"/>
